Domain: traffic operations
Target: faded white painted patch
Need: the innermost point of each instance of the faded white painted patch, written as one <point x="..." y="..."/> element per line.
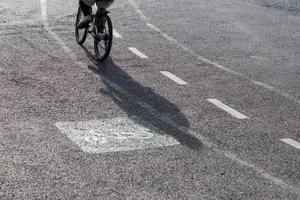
<point x="117" y="134"/>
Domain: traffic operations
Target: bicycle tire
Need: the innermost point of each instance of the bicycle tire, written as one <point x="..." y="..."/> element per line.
<point x="108" y="42"/>
<point x="80" y="39"/>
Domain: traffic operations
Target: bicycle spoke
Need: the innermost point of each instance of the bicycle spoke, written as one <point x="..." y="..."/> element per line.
<point x="102" y="47"/>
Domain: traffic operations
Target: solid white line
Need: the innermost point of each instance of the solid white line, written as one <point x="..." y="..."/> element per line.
<point x="231" y="111"/>
<point x="292" y="143"/>
<point x="44" y="8"/>
<point x="173" y="77"/>
<point x="137" y="52"/>
<point x="116" y="34"/>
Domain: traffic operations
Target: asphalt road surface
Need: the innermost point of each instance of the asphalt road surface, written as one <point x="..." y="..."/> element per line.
<point x="198" y="100"/>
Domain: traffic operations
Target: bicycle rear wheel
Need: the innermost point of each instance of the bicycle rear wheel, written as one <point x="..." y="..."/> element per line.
<point x="104" y="37"/>
<point x="80" y="34"/>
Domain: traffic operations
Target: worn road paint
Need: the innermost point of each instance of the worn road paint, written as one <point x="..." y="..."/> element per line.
<point x="118" y="134"/>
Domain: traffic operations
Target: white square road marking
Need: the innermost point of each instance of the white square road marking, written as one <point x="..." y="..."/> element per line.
<point x="118" y="134"/>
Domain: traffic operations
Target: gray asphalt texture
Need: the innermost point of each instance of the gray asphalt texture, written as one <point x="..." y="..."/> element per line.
<point x="219" y="156"/>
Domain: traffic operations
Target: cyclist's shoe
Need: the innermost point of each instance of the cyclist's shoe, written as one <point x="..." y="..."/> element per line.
<point x="84" y="23"/>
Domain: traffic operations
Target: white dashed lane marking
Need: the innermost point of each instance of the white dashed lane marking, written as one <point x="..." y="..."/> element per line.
<point x="116" y="34"/>
<point x="201" y="58"/>
<point x="292" y="143"/>
<point x="173" y="78"/>
<point x="137" y="52"/>
<point x="226" y="108"/>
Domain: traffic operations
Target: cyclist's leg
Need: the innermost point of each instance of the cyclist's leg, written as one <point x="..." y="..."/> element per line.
<point x="100" y="20"/>
<point x="86" y="9"/>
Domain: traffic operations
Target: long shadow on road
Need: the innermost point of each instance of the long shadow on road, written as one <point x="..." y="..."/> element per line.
<point x="137" y="100"/>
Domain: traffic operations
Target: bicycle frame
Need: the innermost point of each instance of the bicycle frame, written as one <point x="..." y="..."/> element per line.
<point x="96" y="14"/>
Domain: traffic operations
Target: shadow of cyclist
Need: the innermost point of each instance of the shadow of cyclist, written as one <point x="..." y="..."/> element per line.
<point x="137" y="100"/>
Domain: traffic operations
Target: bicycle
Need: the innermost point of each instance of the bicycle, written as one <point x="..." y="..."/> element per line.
<point x="100" y="28"/>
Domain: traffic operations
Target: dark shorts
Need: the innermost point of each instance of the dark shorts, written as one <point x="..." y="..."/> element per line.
<point x="86" y="9"/>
